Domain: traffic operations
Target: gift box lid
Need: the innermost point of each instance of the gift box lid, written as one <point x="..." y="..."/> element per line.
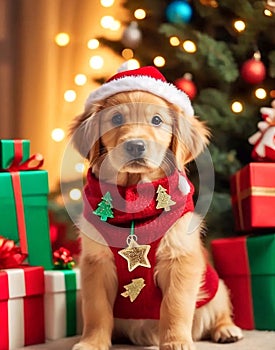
<point x="259" y="176"/>
<point x="21" y="282"/>
<point x="33" y="182"/>
<point x="62" y="280"/>
<point x="7" y="152"/>
<point x="245" y="255"/>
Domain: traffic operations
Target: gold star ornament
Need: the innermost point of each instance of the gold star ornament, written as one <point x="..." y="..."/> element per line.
<point x="133" y="289"/>
<point x="136" y="255"/>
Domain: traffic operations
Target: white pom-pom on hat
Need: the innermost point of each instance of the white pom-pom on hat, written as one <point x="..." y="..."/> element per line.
<point x="147" y="79"/>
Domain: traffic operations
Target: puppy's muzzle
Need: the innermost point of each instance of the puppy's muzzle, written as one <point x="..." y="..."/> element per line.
<point x="135" y="148"/>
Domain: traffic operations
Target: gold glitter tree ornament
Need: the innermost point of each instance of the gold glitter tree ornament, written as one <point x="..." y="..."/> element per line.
<point x="164" y="200"/>
<point x="133" y="289"/>
<point x="135" y="254"/>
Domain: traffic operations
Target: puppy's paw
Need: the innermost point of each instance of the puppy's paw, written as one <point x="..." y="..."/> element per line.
<point x="227" y="334"/>
<point x="82" y="346"/>
<point x="178" y="346"/>
<point x="85" y="346"/>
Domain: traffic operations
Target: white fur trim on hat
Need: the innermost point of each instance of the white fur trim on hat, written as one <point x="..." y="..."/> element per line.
<point x="165" y="90"/>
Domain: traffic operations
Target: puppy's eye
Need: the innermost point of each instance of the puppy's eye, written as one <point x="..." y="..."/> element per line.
<point x="117" y="119"/>
<point x="156" y="120"/>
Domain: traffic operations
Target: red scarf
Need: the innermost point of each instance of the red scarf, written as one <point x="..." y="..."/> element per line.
<point x="138" y="203"/>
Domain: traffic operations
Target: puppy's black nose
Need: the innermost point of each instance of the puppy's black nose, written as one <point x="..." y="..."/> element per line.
<point x="135" y="147"/>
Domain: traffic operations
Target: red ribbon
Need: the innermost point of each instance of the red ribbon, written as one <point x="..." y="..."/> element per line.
<point x="33" y="163"/>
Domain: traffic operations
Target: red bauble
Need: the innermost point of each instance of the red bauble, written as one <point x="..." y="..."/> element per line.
<point x="187" y="86"/>
<point x="253" y="71"/>
<point x="53" y="233"/>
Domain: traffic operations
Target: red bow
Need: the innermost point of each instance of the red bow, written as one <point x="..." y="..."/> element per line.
<point x="10" y="254"/>
<point x="33" y="163"/>
<point x="63" y="259"/>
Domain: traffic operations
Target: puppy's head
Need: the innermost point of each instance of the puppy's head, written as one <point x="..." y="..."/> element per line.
<point x="138" y="132"/>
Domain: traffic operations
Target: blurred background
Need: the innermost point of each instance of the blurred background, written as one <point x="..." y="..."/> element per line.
<point x="53" y="53"/>
<point x="47" y="68"/>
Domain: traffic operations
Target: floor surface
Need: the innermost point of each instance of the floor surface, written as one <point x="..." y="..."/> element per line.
<point x="253" y="340"/>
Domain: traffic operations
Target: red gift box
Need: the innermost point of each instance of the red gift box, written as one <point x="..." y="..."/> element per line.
<point x="253" y="196"/>
<point x="247" y="266"/>
<point x="21" y="307"/>
<point x="234" y="271"/>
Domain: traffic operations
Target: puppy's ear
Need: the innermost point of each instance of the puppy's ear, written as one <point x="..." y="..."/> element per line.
<point x="85" y="137"/>
<point x="190" y="137"/>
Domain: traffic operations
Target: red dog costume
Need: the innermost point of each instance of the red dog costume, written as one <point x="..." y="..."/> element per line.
<point x="150" y="226"/>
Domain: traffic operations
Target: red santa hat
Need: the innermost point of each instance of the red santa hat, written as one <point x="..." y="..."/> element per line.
<point x="142" y="79"/>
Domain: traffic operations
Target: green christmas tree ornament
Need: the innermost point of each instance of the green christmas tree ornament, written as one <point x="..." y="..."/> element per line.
<point x="104" y="209"/>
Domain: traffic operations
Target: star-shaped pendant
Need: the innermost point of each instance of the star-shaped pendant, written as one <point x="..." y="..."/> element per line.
<point x="136" y="255"/>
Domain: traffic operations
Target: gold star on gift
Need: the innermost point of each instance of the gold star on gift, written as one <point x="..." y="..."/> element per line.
<point x="136" y="255"/>
<point x="133" y="289"/>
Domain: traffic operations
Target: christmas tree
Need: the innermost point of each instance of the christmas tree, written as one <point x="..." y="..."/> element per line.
<point x="228" y="48"/>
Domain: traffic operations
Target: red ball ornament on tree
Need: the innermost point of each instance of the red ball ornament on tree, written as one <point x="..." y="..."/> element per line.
<point x="187" y="85"/>
<point x="253" y="71"/>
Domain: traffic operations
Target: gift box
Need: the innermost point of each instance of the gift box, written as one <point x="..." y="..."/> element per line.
<point x="21" y="307"/>
<point x="247" y="266"/>
<point x="62" y="304"/>
<point x="8" y="152"/>
<point x="253" y="196"/>
<point x="24" y="208"/>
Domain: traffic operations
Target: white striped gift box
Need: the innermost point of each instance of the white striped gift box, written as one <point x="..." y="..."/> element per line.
<point x="62" y="304"/>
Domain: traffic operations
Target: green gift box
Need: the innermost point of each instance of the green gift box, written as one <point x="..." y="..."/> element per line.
<point x="24" y="201"/>
<point x="24" y="216"/>
<point x="62" y="304"/>
<point x="9" y="151"/>
<point x="247" y="266"/>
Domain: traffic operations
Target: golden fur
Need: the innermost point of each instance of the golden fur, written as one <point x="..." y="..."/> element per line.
<point x="181" y="257"/>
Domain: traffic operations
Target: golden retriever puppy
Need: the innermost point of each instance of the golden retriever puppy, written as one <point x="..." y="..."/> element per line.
<point x="144" y="270"/>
